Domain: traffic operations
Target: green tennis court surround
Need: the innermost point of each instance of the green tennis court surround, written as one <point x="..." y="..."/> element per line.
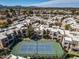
<point x="42" y="48"/>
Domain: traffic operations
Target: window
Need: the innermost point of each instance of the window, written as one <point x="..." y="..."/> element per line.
<point x="9" y="36"/>
<point x="65" y="43"/>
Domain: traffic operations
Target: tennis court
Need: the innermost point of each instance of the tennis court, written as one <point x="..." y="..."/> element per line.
<point x="38" y="48"/>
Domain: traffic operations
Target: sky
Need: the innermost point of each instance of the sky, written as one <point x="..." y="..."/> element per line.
<point x="41" y="3"/>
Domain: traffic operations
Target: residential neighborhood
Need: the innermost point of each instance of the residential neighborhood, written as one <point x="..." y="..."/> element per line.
<point x="29" y="33"/>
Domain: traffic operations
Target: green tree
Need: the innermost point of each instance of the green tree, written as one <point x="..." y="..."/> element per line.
<point x="9" y="21"/>
<point x="67" y="27"/>
<point x="24" y="12"/>
<point x="30" y="12"/>
<point x="46" y="34"/>
<point x="30" y="30"/>
<point x="13" y="12"/>
<point x="7" y="13"/>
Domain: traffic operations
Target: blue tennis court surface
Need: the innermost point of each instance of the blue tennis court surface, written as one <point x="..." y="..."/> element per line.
<point x="38" y="48"/>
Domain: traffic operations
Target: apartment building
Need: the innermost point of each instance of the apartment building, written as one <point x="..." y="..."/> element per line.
<point x="71" y="40"/>
<point x="8" y="39"/>
<point x="11" y="56"/>
<point x="11" y="36"/>
<point x="67" y="41"/>
<point x="2" y="39"/>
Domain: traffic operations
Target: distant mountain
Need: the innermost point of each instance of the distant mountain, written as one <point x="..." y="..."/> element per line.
<point x="18" y="6"/>
<point x="33" y="6"/>
<point x="1" y="5"/>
